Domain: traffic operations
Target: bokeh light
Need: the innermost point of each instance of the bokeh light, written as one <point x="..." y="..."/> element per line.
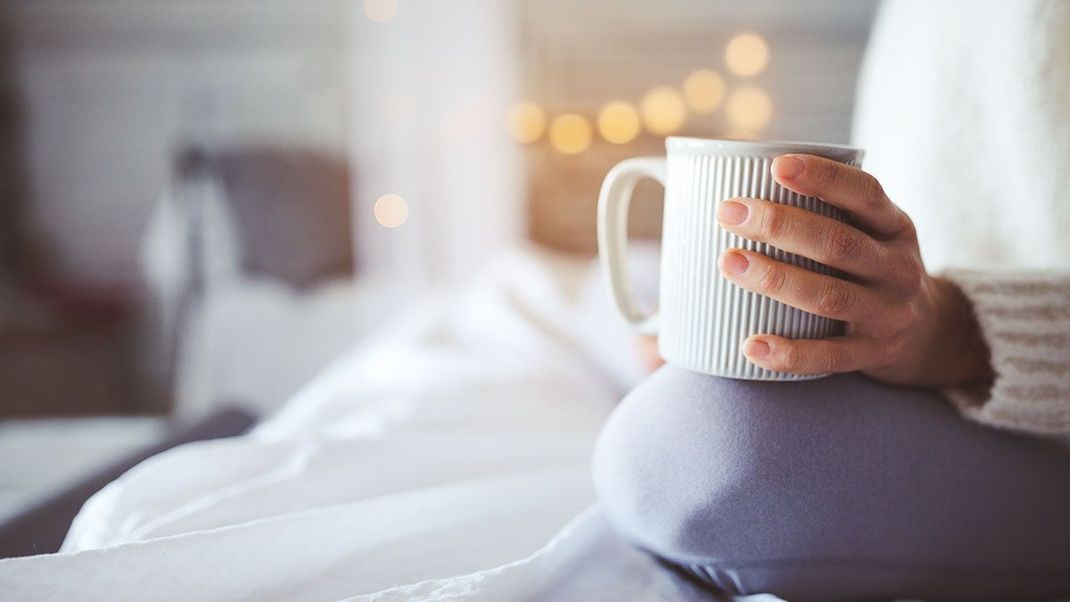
<point x="618" y="122"/>
<point x="736" y="133"/>
<point x="381" y="11"/>
<point x="663" y="111"/>
<point x="749" y="108"/>
<point x="570" y="133"/>
<point x="391" y="210"/>
<point x="526" y="122"/>
<point x="747" y="54"/>
<point x="704" y="91"/>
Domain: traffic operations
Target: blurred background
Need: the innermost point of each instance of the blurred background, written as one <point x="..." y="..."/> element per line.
<point x="203" y="202"/>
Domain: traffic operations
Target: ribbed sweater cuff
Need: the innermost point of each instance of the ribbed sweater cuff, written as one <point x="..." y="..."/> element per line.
<point x="1025" y="319"/>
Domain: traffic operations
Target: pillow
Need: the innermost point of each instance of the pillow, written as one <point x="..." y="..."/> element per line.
<point x="291" y="212"/>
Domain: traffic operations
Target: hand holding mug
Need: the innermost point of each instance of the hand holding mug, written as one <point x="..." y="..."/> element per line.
<point x="903" y="325"/>
<point x="703" y="318"/>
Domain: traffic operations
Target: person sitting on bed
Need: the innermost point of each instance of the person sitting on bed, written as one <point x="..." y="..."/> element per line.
<point x="869" y="484"/>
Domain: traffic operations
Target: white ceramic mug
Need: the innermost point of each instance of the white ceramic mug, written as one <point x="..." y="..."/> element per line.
<point x="703" y="318"/>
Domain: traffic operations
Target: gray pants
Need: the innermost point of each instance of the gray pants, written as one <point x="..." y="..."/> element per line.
<point x="834" y="489"/>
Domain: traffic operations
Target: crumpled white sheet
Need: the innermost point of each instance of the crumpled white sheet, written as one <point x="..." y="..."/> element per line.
<point x="446" y="458"/>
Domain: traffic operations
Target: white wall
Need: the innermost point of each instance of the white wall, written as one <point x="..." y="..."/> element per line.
<point x="114" y="86"/>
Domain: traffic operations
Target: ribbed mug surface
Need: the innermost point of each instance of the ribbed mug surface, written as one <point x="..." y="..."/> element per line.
<point x="703" y="318"/>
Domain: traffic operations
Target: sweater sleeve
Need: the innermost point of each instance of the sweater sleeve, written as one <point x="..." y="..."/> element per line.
<point x="1025" y="320"/>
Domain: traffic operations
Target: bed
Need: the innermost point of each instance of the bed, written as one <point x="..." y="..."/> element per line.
<point x="446" y="457"/>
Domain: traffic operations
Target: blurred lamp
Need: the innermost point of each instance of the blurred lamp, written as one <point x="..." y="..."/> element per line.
<point x="570" y="134"/>
<point x="663" y="111"/>
<point x="391" y="210"/>
<point x="749" y="108"/>
<point x="747" y="54"/>
<point x="526" y="122"/>
<point x="704" y="91"/>
<point x="381" y="11"/>
<point x="618" y="122"/>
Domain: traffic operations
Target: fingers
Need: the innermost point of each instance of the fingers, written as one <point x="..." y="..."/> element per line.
<point x="805" y="233"/>
<point x="798" y="287"/>
<point x="810" y="356"/>
<point x="846" y="187"/>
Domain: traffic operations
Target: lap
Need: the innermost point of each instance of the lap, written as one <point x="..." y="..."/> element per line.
<point x="836" y="476"/>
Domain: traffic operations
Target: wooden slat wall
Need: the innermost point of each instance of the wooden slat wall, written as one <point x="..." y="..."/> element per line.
<point x="577" y="56"/>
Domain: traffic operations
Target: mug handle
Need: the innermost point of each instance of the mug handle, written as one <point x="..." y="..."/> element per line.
<point x="613" y="202"/>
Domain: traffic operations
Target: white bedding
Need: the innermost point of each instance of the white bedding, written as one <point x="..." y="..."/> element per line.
<point x="446" y="458"/>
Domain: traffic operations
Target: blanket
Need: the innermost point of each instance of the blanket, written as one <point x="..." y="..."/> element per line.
<point x="446" y="457"/>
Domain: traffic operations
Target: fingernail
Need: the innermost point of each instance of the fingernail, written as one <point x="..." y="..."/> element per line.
<point x="787" y="167"/>
<point x="734" y="263"/>
<point x="756" y="348"/>
<point x="732" y="213"/>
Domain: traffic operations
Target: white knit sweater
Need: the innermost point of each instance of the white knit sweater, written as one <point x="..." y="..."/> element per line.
<point x="964" y="109"/>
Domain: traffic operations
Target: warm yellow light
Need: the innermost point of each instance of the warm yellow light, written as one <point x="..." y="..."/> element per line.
<point x="618" y="122"/>
<point x="747" y="54"/>
<point x="526" y="122"/>
<point x="749" y="108"/>
<point x="704" y="91"/>
<point x="391" y="210"/>
<point x="663" y="110"/>
<point x="381" y="11"/>
<point x="570" y="134"/>
<point x="741" y="134"/>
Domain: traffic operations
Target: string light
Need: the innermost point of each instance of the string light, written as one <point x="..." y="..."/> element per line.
<point x="663" y="110"/>
<point x="526" y="122"/>
<point x="391" y="210"/>
<point x="747" y="54"/>
<point x="381" y="11"/>
<point x="570" y="134"/>
<point x="704" y="91"/>
<point x="749" y="108"/>
<point x="618" y="122"/>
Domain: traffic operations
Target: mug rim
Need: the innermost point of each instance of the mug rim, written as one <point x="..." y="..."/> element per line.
<point x="728" y="145"/>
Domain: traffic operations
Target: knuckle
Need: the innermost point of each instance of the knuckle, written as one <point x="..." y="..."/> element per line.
<point x="911" y="273"/>
<point x="828" y="174"/>
<point x="771" y="222"/>
<point x="773" y="279"/>
<point x="836" y="299"/>
<point x="873" y="190"/>
<point x="842" y="245"/>
<point x="906" y="225"/>
<point x="837" y="359"/>
<point x="790" y="358"/>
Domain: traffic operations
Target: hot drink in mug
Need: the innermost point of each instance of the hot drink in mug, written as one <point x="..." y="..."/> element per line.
<point x="703" y="318"/>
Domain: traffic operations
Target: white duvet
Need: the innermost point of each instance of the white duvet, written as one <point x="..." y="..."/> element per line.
<point x="446" y="458"/>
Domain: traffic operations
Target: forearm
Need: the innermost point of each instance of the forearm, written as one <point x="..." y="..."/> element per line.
<point x="1023" y="319"/>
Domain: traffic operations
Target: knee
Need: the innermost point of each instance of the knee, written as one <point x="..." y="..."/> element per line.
<point x="678" y="464"/>
<point x="726" y="475"/>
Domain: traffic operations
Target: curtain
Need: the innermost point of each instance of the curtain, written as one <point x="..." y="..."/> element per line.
<point x="430" y="90"/>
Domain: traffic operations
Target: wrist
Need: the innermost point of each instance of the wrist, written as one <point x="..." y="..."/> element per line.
<point x="961" y="351"/>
